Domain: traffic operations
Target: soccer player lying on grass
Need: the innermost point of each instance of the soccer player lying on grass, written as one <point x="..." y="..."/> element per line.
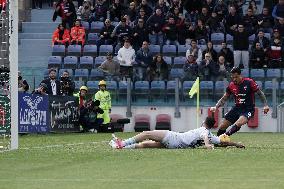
<point x="172" y="140"/>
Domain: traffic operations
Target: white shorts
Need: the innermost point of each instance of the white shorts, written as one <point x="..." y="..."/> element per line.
<point x="172" y="140"/>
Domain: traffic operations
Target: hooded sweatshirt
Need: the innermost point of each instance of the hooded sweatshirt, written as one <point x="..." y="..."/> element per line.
<point x="126" y="56"/>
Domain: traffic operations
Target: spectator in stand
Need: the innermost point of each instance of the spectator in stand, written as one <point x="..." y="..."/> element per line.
<point x="170" y="30"/>
<point x="144" y="58"/>
<point x="253" y="7"/>
<point x="207" y="68"/>
<point x="61" y="36"/>
<point x="265" y="21"/>
<point x="222" y="69"/>
<point x="111" y="68"/>
<point x="238" y="4"/>
<point x="131" y="12"/>
<point x="141" y="15"/>
<point x="53" y="85"/>
<point x="210" y="49"/>
<point x="250" y="20"/>
<point x="81" y="96"/>
<point x="188" y="32"/>
<point x="158" y="69"/>
<point x="80" y="2"/>
<point x="122" y="31"/>
<point x="126" y="58"/>
<point x="77" y="34"/>
<point x="193" y="7"/>
<point x="181" y="29"/>
<point x="221" y="9"/>
<point x="105" y="34"/>
<point x="214" y="24"/>
<point x="176" y="4"/>
<point x="278" y="10"/>
<point x="262" y="40"/>
<point x="41" y="90"/>
<point x="201" y="33"/>
<point x="275" y="54"/>
<point x="228" y="54"/>
<point x="257" y="57"/>
<point x="195" y="50"/>
<point x="162" y="6"/>
<point x="209" y="4"/>
<point x="140" y="34"/>
<point x="116" y="10"/>
<point x="190" y="68"/>
<point x="175" y="13"/>
<point x="232" y="19"/>
<point x="66" y="10"/>
<point x="155" y="24"/>
<point x="100" y="10"/>
<point x="275" y="35"/>
<point x="84" y="12"/>
<point x="280" y="26"/>
<point x="66" y="83"/>
<point x="241" y="45"/>
<point x="23" y="85"/>
<point x="204" y="15"/>
<point x="144" y="5"/>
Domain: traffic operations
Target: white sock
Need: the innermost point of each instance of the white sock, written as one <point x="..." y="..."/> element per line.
<point x="129" y="141"/>
<point x="131" y="146"/>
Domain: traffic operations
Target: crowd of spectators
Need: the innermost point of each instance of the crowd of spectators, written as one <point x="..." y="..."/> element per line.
<point x="177" y="22"/>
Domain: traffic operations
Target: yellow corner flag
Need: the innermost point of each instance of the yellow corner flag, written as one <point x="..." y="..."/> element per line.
<point x="195" y="88"/>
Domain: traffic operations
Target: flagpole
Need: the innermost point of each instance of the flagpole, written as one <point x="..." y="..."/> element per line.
<point x="197" y="105"/>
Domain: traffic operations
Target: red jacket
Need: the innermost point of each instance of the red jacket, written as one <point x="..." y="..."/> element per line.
<point x="3" y="3"/>
<point x="78" y="34"/>
<point x="65" y="37"/>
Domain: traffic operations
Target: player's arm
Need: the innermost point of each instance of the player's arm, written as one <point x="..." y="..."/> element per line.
<point x="220" y="102"/>
<point x="263" y="100"/>
<point x="207" y="143"/>
<point x="225" y="144"/>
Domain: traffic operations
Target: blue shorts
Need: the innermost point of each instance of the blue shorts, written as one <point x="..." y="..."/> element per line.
<point x="234" y="114"/>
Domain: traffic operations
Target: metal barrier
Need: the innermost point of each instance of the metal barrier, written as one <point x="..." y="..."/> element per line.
<point x="280" y="118"/>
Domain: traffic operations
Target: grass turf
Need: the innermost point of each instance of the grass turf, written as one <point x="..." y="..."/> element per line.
<point x="86" y="161"/>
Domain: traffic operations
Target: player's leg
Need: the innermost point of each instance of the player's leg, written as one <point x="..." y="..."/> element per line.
<point x="146" y="144"/>
<point x="224" y="125"/>
<point x="231" y="117"/>
<point x="157" y="135"/>
<point x="237" y="125"/>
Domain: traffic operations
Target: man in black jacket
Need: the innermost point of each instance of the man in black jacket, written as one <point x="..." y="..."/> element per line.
<point x="53" y="85"/>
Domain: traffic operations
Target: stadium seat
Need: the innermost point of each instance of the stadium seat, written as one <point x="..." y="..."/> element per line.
<point x="86" y="62"/>
<point x="157" y="90"/>
<point x="74" y="50"/>
<point x="257" y="74"/>
<point x="220" y="88"/>
<point x="163" y="122"/>
<point x="122" y="90"/>
<point x="281" y="95"/>
<point x="114" y="23"/>
<point x="142" y="122"/>
<point x="186" y="86"/>
<point x="86" y="25"/>
<point x="253" y="121"/>
<point x="60" y="72"/>
<point x="99" y="60"/>
<point x="90" y="50"/>
<point x="96" y="26"/>
<point x="155" y="49"/>
<point x="229" y="39"/>
<point x="93" y="38"/>
<point x="216" y="116"/>
<point x="70" y="62"/>
<point x="169" y="50"/>
<point x="92" y="86"/>
<point x="171" y="85"/>
<point x="141" y="88"/>
<point x="116" y="126"/>
<point x="182" y="50"/>
<point x="112" y="88"/>
<point x="273" y="73"/>
<point x="168" y="60"/>
<point x="206" y="89"/>
<point x="217" y="38"/>
<point x="179" y="62"/>
<point x="81" y="73"/>
<point x="251" y="38"/>
<point x="58" y="50"/>
<point x="202" y="47"/>
<point x="268" y="87"/>
<point x="79" y="84"/>
<point x="268" y="35"/>
<point x="217" y="48"/>
<point x="176" y="73"/>
<point x="96" y="74"/>
<point x="245" y="72"/>
<point x="104" y="49"/>
<point x="46" y="74"/>
<point x="54" y="62"/>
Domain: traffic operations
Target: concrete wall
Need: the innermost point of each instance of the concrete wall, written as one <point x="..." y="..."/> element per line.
<point x="187" y="120"/>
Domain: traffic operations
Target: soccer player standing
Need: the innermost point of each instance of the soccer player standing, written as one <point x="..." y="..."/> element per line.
<point x="243" y="90"/>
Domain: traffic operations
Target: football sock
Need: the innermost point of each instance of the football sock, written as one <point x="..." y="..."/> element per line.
<point x="128" y="142"/>
<point x="220" y="132"/>
<point x="132" y="146"/>
<point x="233" y="130"/>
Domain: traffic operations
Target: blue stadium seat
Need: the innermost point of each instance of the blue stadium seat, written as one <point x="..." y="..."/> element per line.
<point x="168" y="60"/>
<point x="96" y="26"/>
<point x="104" y="49"/>
<point x="114" y="23"/>
<point x="99" y="60"/>
<point x="229" y="39"/>
<point x="112" y="88"/>
<point x="257" y="74"/>
<point x="155" y="49"/>
<point x="220" y="88"/>
<point x="90" y="50"/>
<point x="251" y="38"/>
<point x="60" y="72"/>
<point x="186" y="86"/>
<point x="273" y="73"/>
<point x="268" y="89"/>
<point x="58" y="50"/>
<point x="79" y="84"/>
<point x="81" y="73"/>
<point x="182" y="50"/>
<point x="217" y="48"/>
<point x="86" y="62"/>
<point x="171" y="85"/>
<point x="259" y="83"/>
<point x="176" y="73"/>
<point x="86" y="25"/>
<point x="54" y="62"/>
<point x="169" y="50"/>
<point x="179" y="62"/>
<point x="206" y="88"/>
<point x="70" y="62"/>
<point x="92" y="86"/>
<point x="268" y="35"/>
<point x="46" y="74"/>
<point x="141" y="88"/>
<point x="202" y="47"/>
<point x="217" y="38"/>
<point x="96" y="74"/>
<point x="157" y="90"/>
<point x="245" y="72"/>
<point x="122" y="90"/>
<point x="74" y="50"/>
<point x="93" y="38"/>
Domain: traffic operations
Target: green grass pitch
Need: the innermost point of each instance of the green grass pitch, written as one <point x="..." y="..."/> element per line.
<point x="75" y="161"/>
